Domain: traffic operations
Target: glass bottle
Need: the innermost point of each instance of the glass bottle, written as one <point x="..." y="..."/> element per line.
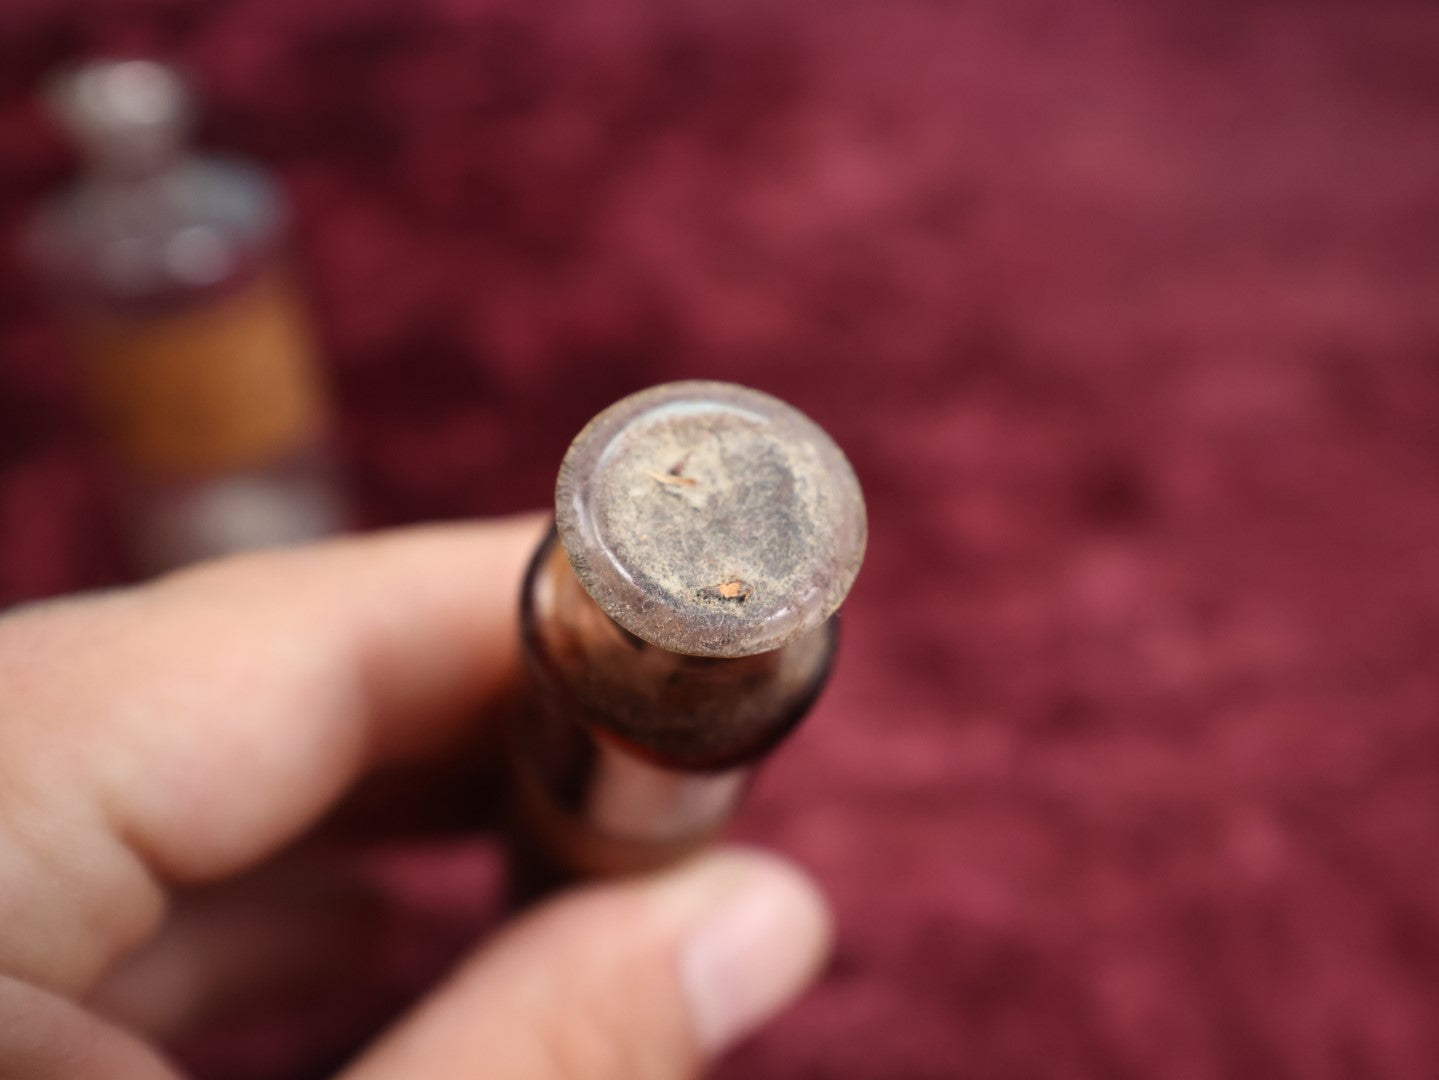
<point x="194" y="349"/>
<point x="678" y="621"/>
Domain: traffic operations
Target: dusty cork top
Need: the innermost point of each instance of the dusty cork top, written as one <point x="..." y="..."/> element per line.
<point x="710" y="519"/>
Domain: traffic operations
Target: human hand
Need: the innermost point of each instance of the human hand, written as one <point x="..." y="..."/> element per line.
<point x="183" y="733"/>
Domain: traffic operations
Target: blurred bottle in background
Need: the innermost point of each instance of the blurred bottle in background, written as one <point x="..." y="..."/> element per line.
<point x="167" y="267"/>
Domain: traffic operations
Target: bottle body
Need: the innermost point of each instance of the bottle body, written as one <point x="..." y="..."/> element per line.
<point x="630" y="755"/>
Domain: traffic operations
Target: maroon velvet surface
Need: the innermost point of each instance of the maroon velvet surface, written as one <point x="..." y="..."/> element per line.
<point x="1128" y="316"/>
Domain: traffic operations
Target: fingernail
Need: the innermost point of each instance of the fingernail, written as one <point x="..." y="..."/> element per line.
<point x="761" y="932"/>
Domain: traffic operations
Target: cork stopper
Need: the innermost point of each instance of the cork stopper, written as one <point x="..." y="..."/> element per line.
<point x="710" y="519"/>
<point x="123" y="115"/>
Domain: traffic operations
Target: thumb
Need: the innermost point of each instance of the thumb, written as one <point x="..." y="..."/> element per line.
<point x="640" y="979"/>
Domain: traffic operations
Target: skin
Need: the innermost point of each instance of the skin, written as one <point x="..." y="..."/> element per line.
<point x="161" y="745"/>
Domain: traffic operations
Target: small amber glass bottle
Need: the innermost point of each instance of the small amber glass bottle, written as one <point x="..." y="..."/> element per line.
<point x="678" y="622"/>
<point x="194" y="349"/>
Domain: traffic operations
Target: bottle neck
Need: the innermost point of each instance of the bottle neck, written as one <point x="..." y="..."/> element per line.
<point x="688" y="713"/>
<point x="133" y="168"/>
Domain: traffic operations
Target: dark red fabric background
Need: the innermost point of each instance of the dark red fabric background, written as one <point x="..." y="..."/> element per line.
<point x="1128" y="316"/>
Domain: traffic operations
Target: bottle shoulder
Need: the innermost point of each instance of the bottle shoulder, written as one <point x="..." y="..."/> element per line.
<point x="193" y="226"/>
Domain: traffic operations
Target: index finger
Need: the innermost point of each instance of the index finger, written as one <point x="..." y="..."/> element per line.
<point x="181" y="731"/>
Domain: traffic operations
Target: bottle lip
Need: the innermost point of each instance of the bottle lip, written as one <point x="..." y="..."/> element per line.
<point x="710" y="519"/>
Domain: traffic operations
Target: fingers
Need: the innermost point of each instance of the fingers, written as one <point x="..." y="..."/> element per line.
<point x="283" y="934"/>
<point x="181" y="731"/>
<point x="631" y="981"/>
<point x="46" y="1037"/>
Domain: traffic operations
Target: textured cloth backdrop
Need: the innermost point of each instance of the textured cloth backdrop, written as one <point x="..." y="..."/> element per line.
<point x="1128" y="315"/>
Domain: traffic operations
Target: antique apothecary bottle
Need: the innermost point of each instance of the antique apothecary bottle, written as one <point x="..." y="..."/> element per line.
<point x="678" y="620"/>
<point x="167" y="267"/>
